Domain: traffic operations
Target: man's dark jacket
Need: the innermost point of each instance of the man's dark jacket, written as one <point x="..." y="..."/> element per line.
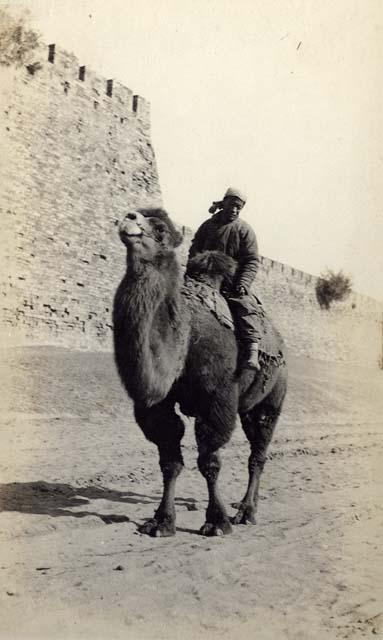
<point x="236" y="239"/>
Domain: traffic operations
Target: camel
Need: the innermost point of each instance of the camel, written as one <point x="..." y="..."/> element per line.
<point x="170" y="348"/>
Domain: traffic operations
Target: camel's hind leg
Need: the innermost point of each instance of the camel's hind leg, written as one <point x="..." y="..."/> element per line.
<point x="258" y="425"/>
<point x="165" y="428"/>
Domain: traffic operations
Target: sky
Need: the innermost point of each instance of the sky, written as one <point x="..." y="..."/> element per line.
<point x="280" y="98"/>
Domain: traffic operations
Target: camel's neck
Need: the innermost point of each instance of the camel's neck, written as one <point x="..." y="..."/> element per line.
<point x="146" y="287"/>
<point x="149" y="328"/>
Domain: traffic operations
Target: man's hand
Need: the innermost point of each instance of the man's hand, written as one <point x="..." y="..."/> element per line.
<point x="240" y="291"/>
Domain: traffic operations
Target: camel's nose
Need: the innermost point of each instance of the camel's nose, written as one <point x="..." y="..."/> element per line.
<point x="131" y="226"/>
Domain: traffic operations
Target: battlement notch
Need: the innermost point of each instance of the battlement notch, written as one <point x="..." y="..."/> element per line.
<point x="141" y="108"/>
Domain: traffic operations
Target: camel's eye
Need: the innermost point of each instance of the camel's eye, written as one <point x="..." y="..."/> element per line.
<point x="160" y="227"/>
<point x="163" y="232"/>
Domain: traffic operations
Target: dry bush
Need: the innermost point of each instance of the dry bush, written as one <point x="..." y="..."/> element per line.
<point x="16" y="39"/>
<point x="332" y="287"/>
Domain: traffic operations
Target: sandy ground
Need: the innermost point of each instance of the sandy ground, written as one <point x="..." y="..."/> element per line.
<point x="77" y="478"/>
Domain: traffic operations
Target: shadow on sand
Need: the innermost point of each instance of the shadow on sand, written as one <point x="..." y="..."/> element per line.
<point x="56" y="499"/>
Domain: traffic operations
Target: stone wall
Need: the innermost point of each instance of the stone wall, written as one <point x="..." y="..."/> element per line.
<point x="350" y="331"/>
<point x="76" y="154"/>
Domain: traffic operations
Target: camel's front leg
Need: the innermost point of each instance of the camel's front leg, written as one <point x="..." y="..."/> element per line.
<point x="209" y="464"/>
<point x="164" y="521"/>
<point x="162" y="426"/>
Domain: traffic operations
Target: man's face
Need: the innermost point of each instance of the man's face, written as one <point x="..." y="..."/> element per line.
<point x="231" y="208"/>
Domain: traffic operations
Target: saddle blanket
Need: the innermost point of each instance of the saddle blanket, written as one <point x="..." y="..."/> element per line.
<point x="271" y="342"/>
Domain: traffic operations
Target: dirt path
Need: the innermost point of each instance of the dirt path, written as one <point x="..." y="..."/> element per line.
<point x="77" y="477"/>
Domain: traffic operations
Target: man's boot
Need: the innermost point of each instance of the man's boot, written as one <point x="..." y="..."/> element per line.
<point x="252" y="361"/>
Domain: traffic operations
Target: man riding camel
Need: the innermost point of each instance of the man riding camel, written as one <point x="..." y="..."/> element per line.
<point x="226" y="232"/>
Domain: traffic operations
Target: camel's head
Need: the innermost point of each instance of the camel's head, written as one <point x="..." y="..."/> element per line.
<point x="148" y="231"/>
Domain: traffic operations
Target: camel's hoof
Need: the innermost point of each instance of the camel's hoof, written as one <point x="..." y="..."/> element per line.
<point x="209" y="529"/>
<point x="157" y="529"/>
<point x="245" y="515"/>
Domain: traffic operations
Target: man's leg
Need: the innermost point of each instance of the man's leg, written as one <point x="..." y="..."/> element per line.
<point x="247" y="325"/>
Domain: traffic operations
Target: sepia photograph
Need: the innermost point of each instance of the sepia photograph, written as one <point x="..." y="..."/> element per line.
<point x="191" y="319"/>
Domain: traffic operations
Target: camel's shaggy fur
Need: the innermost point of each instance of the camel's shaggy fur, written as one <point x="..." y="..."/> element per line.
<point x="214" y="267"/>
<point x="171" y="349"/>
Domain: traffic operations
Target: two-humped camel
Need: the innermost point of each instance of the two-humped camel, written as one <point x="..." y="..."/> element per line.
<point x="170" y="348"/>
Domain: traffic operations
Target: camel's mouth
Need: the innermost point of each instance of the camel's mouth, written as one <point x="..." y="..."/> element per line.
<point x="131" y="239"/>
<point x="130" y="232"/>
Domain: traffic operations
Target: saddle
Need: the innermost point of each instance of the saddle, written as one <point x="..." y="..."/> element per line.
<point x="271" y="343"/>
<point x="209" y="298"/>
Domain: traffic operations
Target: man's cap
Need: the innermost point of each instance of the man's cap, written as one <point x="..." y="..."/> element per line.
<point x="235" y="193"/>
